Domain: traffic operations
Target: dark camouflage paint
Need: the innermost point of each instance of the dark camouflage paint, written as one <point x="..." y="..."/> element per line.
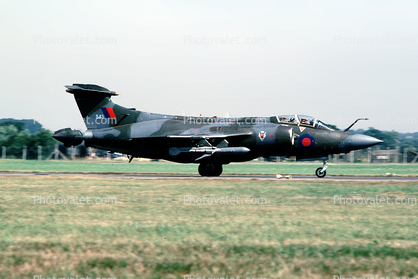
<point x="186" y="139"/>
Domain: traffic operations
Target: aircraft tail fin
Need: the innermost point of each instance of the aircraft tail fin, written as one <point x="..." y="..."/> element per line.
<point x="97" y="108"/>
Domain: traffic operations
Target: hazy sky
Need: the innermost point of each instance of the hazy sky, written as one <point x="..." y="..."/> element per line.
<point x="330" y="59"/>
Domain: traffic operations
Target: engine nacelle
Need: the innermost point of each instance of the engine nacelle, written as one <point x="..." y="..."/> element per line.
<point x="69" y="137"/>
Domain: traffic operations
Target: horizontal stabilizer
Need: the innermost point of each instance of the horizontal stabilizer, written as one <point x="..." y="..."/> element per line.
<point x="89" y="88"/>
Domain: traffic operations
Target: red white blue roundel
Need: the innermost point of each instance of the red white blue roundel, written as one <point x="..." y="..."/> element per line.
<point x="306" y="141"/>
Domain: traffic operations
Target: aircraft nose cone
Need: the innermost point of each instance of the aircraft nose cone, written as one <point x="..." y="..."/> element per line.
<point x="354" y="142"/>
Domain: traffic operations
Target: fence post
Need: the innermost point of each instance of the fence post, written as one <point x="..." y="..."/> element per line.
<point x="352" y="156"/>
<point x="388" y="155"/>
<point x="39" y="153"/>
<point x="405" y="155"/>
<point x="397" y="154"/>
<point x="3" y="152"/>
<point x="72" y="153"/>
<point x="56" y="152"/>
<point x="89" y="151"/>
<point x="24" y="152"/>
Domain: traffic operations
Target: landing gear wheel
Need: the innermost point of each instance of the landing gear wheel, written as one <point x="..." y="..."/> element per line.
<point x="203" y="170"/>
<point x="210" y="169"/>
<point x="320" y="173"/>
<point x="218" y="170"/>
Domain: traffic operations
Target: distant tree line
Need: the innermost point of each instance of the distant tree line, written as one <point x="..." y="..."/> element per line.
<point x="393" y="139"/>
<point x="31" y="125"/>
<point x="14" y="134"/>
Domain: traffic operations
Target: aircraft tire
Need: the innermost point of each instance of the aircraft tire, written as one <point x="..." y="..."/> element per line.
<point x="210" y="169"/>
<point x="319" y="173"/>
<point x="217" y="169"/>
<point x="202" y="170"/>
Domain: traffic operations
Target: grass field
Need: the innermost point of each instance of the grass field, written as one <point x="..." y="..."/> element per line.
<point x="292" y="229"/>
<point x="104" y="166"/>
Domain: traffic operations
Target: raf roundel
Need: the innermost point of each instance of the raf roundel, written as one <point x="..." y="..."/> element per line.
<point x="306" y="141"/>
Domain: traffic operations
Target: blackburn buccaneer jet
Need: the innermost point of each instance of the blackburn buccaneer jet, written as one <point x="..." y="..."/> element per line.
<point x="208" y="141"/>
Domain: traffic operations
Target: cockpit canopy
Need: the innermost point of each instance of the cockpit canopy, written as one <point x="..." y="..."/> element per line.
<point x="303" y="120"/>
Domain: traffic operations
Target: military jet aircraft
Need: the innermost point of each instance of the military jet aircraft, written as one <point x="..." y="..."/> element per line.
<point x="208" y="141"/>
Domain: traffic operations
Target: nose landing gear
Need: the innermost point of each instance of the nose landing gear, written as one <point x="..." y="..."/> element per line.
<point x="321" y="172"/>
<point x="210" y="169"/>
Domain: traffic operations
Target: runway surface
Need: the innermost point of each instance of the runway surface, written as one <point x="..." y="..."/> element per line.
<point x="223" y="176"/>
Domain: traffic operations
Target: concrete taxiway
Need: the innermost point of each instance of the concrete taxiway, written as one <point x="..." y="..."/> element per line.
<point x="279" y="177"/>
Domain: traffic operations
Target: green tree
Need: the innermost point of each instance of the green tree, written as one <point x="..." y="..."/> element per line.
<point x="18" y="125"/>
<point x="333" y="127"/>
<point x="15" y="140"/>
<point x="6" y="132"/>
<point x="43" y="138"/>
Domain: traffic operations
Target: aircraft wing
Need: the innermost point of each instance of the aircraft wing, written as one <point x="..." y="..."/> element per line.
<point x="210" y="136"/>
<point x="193" y="139"/>
<point x="203" y="145"/>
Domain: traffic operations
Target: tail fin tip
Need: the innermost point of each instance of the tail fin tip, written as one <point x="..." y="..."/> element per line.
<point x="89" y="88"/>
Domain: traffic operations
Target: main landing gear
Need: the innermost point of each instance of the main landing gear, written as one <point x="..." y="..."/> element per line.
<point x="321" y="172"/>
<point x="210" y="169"/>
